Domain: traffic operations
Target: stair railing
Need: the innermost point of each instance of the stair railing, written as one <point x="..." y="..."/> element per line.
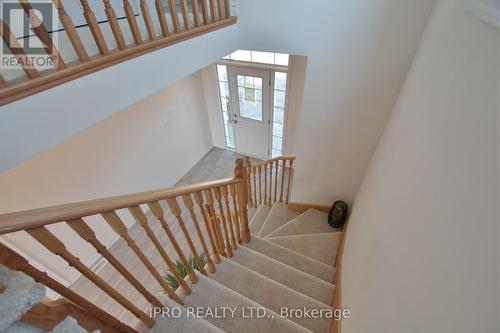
<point x="269" y="181"/>
<point x="35" y="80"/>
<point x="220" y="205"/>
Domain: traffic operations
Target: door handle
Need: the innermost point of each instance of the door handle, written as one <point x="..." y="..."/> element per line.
<point x="235" y="121"/>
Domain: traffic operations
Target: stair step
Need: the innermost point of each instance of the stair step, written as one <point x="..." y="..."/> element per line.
<point x="278" y="216"/>
<point x="312" y="221"/>
<point x="322" y="247"/>
<point x="22" y="327"/>
<point x="180" y="322"/>
<point x="20" y="294"/>
<point x="270" y="293"/>
<point x="259" y="218"/>
<point x="286" y="275"/>
<point x="292" y="258"/>
<point x="209" y="294"/>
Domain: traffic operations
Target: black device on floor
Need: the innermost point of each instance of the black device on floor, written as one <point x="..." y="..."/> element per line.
<point x="337" y="214"/>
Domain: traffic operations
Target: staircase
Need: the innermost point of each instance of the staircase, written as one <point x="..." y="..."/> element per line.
<point x="270" y="263"/>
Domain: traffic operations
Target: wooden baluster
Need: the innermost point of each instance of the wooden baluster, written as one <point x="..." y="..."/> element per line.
<point x="161" y="17"/>
<point x="270" y="182"/>
<point x="212" y="10"/>
<point x="212" y="220"/>
<point x="283" y="166"/>
<point x="148" y="21"/>
<point x="215" y="222"/>
<point x="185" y="14"/>
<point x="229" y="219"/>
<point x="265" y="183"/>
<point x="132" y="22"/>
<point x="277" y="164"/>
<point x="219" y="9"/>
<point x="16" y="262"/>
<point x="204" y="10"/>
<point x="198" y="198"/>
<point x="54" y="245"/>
<point x="119" y="227"/>
<point x="232" y="190"/>
<point x="175" y="16"/>
<point x="87" y="234"/>
<point x="17" y="50"/>
<point x="196" y="18"/>
<point x="188" y="202"/>
<point x="141" y="218"/>
<point x="176" y="210"/>
<point x="3" y="83"/>
<point x="260" y="184"/>
<point x="94" y="28"/>
<point x="227" y="7"/>
<point x="223" y="220"/>
<point x="73" y="36"/>
<point x="289" y="181"/>
<point x="254" y="172"/>
<point x="240" y="173"/>
<point x="158" y="213"/>
<point x="248" y="166"/>
<point x="42" y="33"/>
<point x="114" y="25"/>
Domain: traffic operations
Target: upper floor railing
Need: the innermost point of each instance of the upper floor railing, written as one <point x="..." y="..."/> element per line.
<point x="138" y="30"/>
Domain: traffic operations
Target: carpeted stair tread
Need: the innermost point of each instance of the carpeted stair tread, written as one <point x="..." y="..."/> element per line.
<point x="259" y="218"/>
<point x="20" y="294"/>
<point x="208" y="293"/>
<point x="292" y="258"/>
<point x="312" y="221"/>
<point x="288" y="276"/>
<point x="179" y="321"/>
<point x="270" y="293"/>
<point x="279" y="215"/>
<point x="322" y="247"/>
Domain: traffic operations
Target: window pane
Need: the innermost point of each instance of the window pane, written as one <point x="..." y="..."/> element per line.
<point x="225" y="104"/>
<point x="279" y="115"/>
<point x="279" y="98"/>
<point x="230" y="142"/>
<point x="278" y="129"/>
<point x="241" y="55"/>
<point x="241" y="81"/>
<point x="263" y="57"/>
<point x="251" y="110"/>
<point x="277" y="142"/>
<point x="276" y="153"/>
<point x="281" y="59"/>
<point x="224" y="89"/>
<point x="225" y="117"/>
<point x="248" y="81"/>
<point x="280" y="81"/>
<point x="222" y="73"/>
<point x="230" y="132"/>
<point x="258" y="95"/>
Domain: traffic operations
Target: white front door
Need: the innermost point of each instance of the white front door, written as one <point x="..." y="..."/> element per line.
<point x="250" y="92"/>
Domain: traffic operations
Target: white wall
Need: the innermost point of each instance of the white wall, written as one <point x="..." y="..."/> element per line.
<point x="146" y="146"/>
<point x="358" y="55"/>
<point x="422" y="247"/>
<point x="35" y="123"/>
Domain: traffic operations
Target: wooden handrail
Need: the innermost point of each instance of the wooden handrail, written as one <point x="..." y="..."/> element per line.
<point x="34" y="218"/>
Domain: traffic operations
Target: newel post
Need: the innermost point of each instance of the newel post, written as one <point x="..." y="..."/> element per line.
<point x="240" y="172"/>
